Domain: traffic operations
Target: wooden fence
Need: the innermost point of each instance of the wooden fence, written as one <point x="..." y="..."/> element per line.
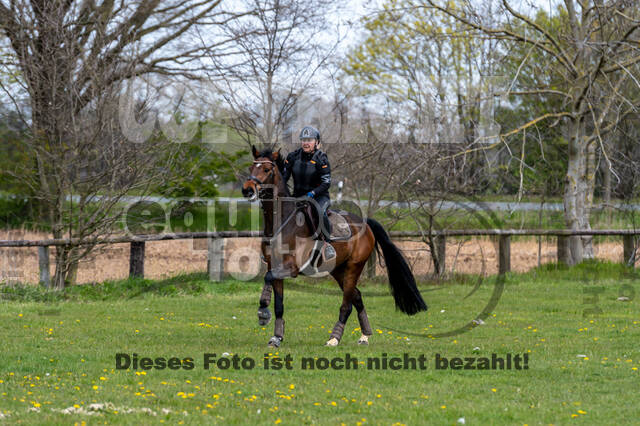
<point x="216" y="246"/>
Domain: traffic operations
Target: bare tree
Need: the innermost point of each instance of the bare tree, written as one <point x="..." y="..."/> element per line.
<point x="380" y="163"/>
<point x="591" y="52"/>
<point x="73" y="59"/>
<point x="278" y="53"/>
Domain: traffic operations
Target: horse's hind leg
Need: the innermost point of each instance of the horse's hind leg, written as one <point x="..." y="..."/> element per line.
<point x="264" y="315"/>
<point x="348" y="284"/>
<point x="345" y="311"/>
<point x="365" y="327"/>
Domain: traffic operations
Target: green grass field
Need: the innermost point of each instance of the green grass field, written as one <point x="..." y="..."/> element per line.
<point x="57" y="362"/>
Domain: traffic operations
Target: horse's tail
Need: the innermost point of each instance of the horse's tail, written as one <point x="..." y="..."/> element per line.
<point x="401" y="280"/>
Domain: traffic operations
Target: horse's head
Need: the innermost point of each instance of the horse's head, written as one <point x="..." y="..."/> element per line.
<point x="264" y="172"/>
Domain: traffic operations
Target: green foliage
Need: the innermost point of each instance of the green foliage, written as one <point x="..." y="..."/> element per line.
<point x="17" y="207"/>
<point x="199" y="167"/>
<point x="545" y="149"/>
<point x="180" y="285"/>
<point x="410" y="54"/>
<point x="14" y="157"/>
<point x="545" y="155"/>
<point x="15" y="211"/>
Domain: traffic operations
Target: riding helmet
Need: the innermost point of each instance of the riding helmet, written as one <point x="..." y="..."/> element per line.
<point x="309" y="132"/>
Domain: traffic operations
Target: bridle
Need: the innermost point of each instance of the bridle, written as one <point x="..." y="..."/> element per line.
<point x="258" y="181"/>
<point x="255" y="179"/>
<point x="300" y="204"/>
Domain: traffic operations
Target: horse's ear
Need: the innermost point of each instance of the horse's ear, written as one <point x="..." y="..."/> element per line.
<point x="254" y="151"/>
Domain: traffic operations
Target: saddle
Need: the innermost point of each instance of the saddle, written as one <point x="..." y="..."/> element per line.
<point x="340" y="229"/>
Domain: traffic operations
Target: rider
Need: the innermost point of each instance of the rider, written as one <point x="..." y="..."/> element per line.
<point x="311" y="174"/>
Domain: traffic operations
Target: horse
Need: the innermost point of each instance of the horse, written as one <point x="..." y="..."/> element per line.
<point x="266" y="184"/>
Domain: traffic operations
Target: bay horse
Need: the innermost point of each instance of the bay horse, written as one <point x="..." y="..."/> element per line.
<point x="287" y="242"/>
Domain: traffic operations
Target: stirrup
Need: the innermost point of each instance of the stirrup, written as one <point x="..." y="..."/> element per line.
<point x="329" y="251"/>
<point x="322" y="253"/>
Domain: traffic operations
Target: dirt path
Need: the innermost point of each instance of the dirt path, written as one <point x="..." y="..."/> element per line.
<point x="168" y="258"/>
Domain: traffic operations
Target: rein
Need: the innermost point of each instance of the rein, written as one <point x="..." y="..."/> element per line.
<point x="281" y="227"/>
<point x="269" y="240"/>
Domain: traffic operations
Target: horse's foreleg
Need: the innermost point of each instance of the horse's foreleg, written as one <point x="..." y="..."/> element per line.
<point x="278" y="332"/>
<point x="264" y="315"/>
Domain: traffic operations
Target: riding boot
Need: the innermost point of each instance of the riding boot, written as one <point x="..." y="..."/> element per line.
<point x="326" y="226"/>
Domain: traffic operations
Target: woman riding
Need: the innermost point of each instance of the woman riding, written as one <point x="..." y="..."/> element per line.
<point x="312" y="177"/>
<point x="311" y="173"/>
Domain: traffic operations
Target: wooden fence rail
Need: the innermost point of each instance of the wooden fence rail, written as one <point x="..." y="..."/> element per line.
<point x="216" y="246"/>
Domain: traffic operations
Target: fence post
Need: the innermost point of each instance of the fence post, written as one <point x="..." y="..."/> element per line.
<point x="215" y="262"/>
<point x="563" y="250"/>
<point x="504" y="254"/>
<point x="371" y="264"/>
<point x="629" y="249"/>
<point x="441" y="248"/>
<point x="136" y="259"/>
<point x="43" y="265"/>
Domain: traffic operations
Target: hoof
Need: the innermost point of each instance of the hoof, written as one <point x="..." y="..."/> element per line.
<point x="363" y="340"/>
<point x="264" y="316"/>
<point x="275" y="342"/>
<point x="332" y="342"/>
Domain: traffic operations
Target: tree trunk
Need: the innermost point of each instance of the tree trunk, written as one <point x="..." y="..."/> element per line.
<point x="72" y="275"/>
<point x="578" y="192"/>
<point x="589" y="189"/>
<point x="59" y="278"/>
<point x="606" y="189"/>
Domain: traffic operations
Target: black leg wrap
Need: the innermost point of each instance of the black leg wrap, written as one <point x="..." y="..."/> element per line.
<point x="268" y="278"/>
<point x="279" y="328"/>
<point x="365" y="327"/>
<point x="265" y="297"/>
<point x="338" y="329"/>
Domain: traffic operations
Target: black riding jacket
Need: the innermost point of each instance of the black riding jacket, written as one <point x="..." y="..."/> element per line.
<point x="311" y="172"/>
